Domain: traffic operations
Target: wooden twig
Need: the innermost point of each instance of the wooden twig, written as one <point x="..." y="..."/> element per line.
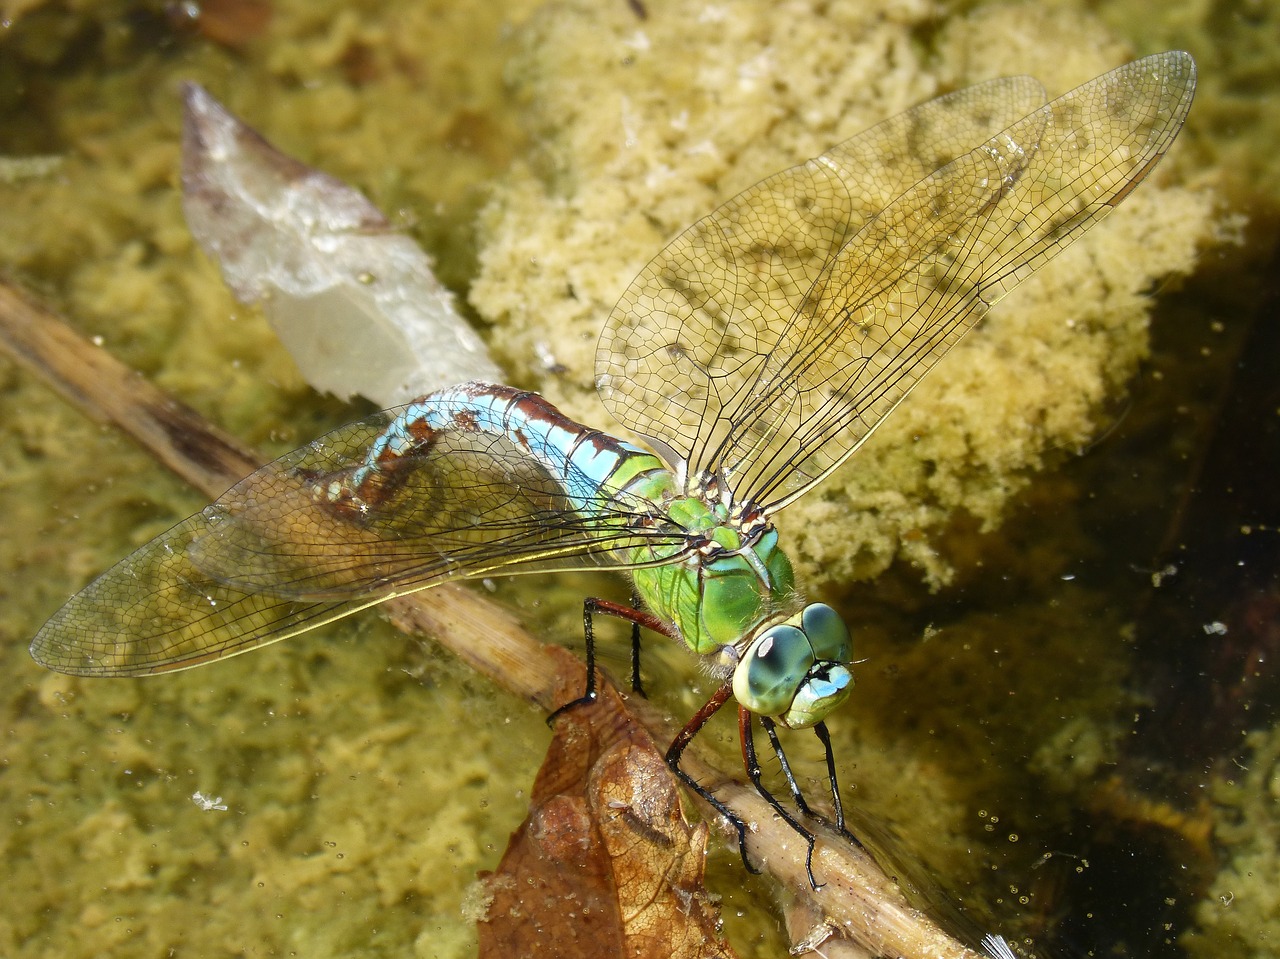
<point x="858" y="901"/>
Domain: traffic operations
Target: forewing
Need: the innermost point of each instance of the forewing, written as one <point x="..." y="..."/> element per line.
<point x="274" y="556"/>
<point x="923" y="272"/>
<point x="155" y="611"/>
<point x="684" y="349"/>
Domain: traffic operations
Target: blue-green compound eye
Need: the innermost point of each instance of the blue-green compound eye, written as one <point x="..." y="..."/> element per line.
<point x="828" y="635"/>
<point x="797" y="671"/>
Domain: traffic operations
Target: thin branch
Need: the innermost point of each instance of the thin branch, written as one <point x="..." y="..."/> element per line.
<point x="859" y="901"/>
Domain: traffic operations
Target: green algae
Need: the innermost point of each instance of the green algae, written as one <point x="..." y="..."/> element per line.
<point x="1240" y="912"/>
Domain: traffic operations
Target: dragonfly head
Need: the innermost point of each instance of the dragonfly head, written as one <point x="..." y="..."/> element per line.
<point x="797" y="670"/>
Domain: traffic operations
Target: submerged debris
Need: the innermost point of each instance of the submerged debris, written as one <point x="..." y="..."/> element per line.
<point x="353" y="299"/>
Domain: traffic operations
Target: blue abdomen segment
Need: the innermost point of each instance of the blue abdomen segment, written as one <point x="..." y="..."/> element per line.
<point x="591" y="467"/>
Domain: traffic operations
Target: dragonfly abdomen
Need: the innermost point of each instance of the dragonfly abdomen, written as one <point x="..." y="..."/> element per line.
<point x="590" y="466"/>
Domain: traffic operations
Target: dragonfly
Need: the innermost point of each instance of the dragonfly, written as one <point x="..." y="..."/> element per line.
<point x="751" y="358"/>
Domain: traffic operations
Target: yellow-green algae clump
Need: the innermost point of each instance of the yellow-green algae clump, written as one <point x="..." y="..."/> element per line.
<point x="705" y="99"/>
<point x="1240" y="914"/>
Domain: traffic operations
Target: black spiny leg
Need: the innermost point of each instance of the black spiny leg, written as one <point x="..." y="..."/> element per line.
<point x="676" y="750"/>
<point x="819" y="730"/>
<point x="752" y="764"/>
<point x="637" y="618"/>
<point x="770" y="728"/>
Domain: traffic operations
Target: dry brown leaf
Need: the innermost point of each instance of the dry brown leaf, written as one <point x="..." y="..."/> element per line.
<point x="605" y="864"/>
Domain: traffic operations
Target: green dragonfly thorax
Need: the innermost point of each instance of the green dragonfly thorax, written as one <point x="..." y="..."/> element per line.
<point x="733" y="579"/>
<point x="735" y="596"/>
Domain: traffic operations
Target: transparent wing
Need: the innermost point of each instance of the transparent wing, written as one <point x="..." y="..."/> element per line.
<point x="777" y="410"/>
<point x="689" y="338"/>
<point x="155" y="611"/>
<point x="272" y="558"/>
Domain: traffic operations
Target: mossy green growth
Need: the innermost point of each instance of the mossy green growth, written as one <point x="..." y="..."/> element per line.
<point x="1240" y="912"/>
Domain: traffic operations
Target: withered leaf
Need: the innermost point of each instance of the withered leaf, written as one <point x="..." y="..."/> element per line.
<point x="605" y="864"/>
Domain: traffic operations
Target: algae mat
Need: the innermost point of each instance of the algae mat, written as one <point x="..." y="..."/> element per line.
<point x="542" y="154"/>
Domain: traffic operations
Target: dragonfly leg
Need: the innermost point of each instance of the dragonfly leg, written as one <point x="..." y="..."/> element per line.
<point x="637" y="686"/>
<point x="589" y="693"/>
<point x="676" y="750"/>
<point x="770" y="728"/>
<point x="752" y="764"/>
<point x="637" y="618"/>
<point x="820" y="730"/>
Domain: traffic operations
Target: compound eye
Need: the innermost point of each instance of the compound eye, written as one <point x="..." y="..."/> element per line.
<point x="772" y="670"/>
<point x="827" y="632"/>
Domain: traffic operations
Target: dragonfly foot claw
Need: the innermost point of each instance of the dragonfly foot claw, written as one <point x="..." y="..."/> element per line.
<point x="584" y="700"/>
